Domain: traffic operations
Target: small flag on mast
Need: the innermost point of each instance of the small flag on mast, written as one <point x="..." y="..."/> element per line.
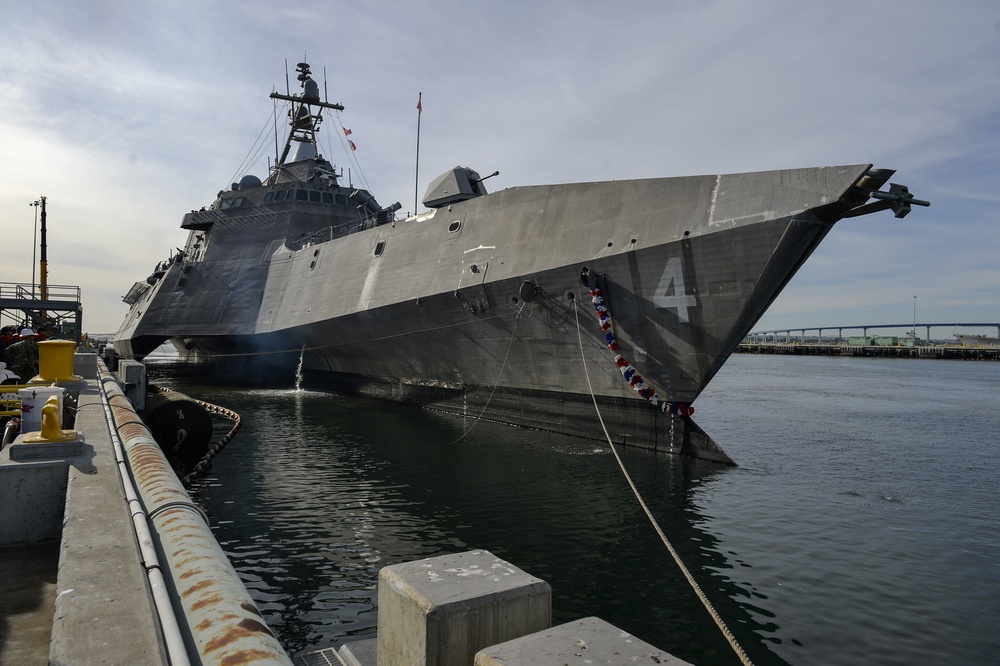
<point x="347" y="132"/>
<point x="420" y="107"/>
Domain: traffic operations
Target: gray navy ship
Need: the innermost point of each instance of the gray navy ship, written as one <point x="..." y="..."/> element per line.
<point x="539" y="306"/>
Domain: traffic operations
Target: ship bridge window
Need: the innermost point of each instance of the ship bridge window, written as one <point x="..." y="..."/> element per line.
<point x="313" y="196"/>
<point x="235" y="202"/>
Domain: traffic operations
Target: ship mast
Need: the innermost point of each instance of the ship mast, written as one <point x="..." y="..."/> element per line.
<point x="303" y="122"/>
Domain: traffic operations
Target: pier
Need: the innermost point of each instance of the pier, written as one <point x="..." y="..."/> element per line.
<point x="814" y="341"/>
<point x="104" y="557"/>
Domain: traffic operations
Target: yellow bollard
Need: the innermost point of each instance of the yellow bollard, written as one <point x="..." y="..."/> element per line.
<point x="51" y="432"/>
<point x="55" y="362"/>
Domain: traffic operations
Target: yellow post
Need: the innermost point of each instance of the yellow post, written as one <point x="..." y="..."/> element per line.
<point x="51" y="432"/>
<point x="55" y="362"/>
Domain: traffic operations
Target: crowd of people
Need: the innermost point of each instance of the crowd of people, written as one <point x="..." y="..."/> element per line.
<point x="19" y="353"/>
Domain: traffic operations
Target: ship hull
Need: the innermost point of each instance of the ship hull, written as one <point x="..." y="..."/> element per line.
<point x="485" y="307"/>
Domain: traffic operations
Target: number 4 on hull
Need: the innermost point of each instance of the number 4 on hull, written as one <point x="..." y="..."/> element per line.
<point x="671" y="293"/>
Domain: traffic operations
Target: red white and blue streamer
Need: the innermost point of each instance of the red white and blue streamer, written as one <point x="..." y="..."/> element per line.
<point x="630" y="374"/>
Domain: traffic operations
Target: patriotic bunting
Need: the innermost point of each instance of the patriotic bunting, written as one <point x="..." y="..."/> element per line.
<point x="630" y="374"/>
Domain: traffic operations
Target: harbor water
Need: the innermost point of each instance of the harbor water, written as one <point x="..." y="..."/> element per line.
<point x="860" y="526"/>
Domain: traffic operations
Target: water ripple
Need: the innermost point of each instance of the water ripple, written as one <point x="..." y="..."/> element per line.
<point x="860" y="528"/>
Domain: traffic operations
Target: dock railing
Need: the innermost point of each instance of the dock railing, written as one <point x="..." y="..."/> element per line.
<point x="58" y="307"/>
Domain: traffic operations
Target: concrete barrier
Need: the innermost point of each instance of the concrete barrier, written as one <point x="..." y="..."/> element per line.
<point x="133" y="375"/>
<point x="443" y="610"/>
<point x="474" y="608"/>
<point x="590" y="640"/>
<point x="85" y="365"/>
<point x="33" y="495"/>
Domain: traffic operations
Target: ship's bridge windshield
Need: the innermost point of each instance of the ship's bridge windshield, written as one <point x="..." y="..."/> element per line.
<point x="313" y="196"/>
<point x="365" y="213"/>
<point x="234" y="202"/>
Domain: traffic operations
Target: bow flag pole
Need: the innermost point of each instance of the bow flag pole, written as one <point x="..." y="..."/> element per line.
<point x="416" y="184"/>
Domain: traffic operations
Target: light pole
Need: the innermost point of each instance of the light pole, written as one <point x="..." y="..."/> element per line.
<point x="34" y="246"/>
<point x="43" y="263"/>
<point x="914" y="320"/>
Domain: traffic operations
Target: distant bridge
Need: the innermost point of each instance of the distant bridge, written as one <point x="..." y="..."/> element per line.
<point x="785" y="334"/>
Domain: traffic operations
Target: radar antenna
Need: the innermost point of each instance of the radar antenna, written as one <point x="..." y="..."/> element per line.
<point x="303" y="121"/>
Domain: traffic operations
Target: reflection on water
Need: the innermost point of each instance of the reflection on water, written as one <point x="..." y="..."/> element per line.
<point x="319" y="492"/>
<point x="859" y="527"/>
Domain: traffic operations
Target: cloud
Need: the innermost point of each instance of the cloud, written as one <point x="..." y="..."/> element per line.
<point x="127" y="115"/>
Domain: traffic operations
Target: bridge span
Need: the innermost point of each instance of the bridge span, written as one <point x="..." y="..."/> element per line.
<point x="785" y="335"/>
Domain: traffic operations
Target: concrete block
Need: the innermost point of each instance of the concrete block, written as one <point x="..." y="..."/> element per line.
<point x="32" y="401"/>
<point x="33" y="497"/>
<point x="359" y="653"/>
<point x="442" y="610"/>
<point x="133" y="375"/>
<point x="21" y="451"/>
<point x="590" y="640"/>
<point x="85" y="365"/>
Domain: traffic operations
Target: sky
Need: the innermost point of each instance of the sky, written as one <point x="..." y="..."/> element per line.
<point x="127" y="114"/>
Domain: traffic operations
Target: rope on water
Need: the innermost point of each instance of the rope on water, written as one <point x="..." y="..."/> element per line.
<point x="744" y="659"/>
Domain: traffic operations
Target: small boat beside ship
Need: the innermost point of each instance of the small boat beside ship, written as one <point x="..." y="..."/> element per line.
<point x="527" y="305"/>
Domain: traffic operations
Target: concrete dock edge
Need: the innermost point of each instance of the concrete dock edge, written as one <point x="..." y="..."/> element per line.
<point x="103" y="610"/>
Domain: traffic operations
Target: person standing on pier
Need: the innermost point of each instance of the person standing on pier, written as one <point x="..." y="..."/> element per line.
<point x="23" y="356"/>
<point x="8" y="335"/>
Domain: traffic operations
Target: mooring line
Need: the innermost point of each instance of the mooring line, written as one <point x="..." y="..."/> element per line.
<point x="214" y="449"/>
<point x="499" y="375"/>
<point x="744" y="659"/>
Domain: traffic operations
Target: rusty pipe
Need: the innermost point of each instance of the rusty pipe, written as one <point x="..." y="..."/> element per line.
<point x="173" y="639"/>
<point x="217" y="616"/>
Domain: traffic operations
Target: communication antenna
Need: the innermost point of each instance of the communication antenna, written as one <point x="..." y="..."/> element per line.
<point x="416" y="174"/>
<point x="274" y="111"/>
